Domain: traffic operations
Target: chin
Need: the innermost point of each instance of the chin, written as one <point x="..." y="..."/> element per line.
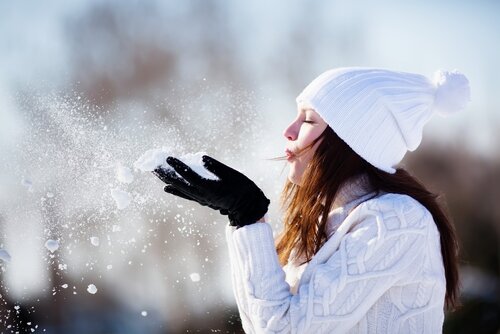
<point x="294" y="178"/>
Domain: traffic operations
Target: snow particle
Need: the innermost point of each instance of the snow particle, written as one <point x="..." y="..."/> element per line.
<point x="28" y="184"/>
<point x="122" y="198"/>
<point x="144" y="313"/>
<point x="195" y="277"/>
<point x="52" y="245"/>
<point x="91" y="289"/>
<point x="94" y="241"/>
<point x="124" y="174"/>
<point x="4" y="255"/>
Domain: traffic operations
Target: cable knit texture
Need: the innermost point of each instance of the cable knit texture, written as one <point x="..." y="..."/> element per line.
<point x="380" y="271"/>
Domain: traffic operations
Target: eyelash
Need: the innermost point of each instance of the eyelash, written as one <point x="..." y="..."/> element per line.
<point x="309" y="122"/>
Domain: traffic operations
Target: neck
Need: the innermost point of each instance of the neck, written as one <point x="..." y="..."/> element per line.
<point x="352" y="189"/>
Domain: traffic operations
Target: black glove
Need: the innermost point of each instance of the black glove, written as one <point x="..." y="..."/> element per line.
<point x="233" y="194"/>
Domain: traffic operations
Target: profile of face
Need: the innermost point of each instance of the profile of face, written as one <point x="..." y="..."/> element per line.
<point x="304" y="129"/>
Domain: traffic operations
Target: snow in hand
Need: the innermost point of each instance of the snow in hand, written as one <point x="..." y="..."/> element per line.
<point x="91" y="289"/>
<point x="52" y="245"/>
<point x="152" y="159"/>
<point x="157" y="158"/>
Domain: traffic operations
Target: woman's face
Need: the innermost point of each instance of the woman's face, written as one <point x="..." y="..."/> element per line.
<point x="307" y="126"/>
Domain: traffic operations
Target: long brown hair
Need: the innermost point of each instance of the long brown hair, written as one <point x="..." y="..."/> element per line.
<point x="332" y="164"/>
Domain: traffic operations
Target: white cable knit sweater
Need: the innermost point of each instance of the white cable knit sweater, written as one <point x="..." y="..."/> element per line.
<point x="380" y="271"/>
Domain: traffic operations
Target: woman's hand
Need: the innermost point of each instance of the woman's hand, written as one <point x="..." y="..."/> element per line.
<point x="233" y="194"/>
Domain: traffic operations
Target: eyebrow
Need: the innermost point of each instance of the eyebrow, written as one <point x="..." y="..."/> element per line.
<point x="305" y="109"/>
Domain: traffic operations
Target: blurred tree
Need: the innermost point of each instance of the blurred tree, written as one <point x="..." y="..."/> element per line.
<point x="471" y="188"/>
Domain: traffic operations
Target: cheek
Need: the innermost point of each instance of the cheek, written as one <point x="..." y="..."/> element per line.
<point x="306" y="137"/>
<point x="304" y="159"/>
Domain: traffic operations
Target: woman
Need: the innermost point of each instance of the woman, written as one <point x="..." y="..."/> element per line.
<point x="365" y="247"/>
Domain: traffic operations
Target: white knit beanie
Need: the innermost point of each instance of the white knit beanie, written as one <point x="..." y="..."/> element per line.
<point x="381" y="113"/>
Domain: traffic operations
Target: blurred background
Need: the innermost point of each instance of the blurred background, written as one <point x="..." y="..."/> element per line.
<point x="86" y="87"/>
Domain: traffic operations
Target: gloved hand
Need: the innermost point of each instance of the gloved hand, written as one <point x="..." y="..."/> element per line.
<point x="233" y="194"/>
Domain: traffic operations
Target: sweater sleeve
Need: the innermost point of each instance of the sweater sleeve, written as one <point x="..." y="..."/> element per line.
<point x="239" y="287"/>
<point x="369" y="260"/>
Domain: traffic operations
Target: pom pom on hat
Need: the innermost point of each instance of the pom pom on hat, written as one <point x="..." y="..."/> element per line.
<point x="452" y="92"/>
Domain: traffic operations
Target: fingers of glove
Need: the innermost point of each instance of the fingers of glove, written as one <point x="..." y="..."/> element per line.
<point x="174" y="191"/>
<point x="189" y="196"/>
<point x="170" y="177"/>
<point x="184" y="170"/>
<point x="163" y="174"/>
<point x="217" y="167"/>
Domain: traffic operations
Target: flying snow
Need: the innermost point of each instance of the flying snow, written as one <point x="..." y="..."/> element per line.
<point x="4" y="255"/>
<point x="94" y="241"/>
<point x="124" y="174"/>
<point x="91" y="289"/>
<point x="52" y="245"/>
<point x="122" y="198"/>
<point x="195" y="277"/>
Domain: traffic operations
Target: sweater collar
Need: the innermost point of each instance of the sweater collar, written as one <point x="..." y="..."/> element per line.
<point x="353" y="192"/>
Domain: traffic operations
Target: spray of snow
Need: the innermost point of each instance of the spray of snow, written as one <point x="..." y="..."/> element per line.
<point x="75" y="172"/>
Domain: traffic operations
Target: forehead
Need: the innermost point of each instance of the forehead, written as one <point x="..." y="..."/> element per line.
<point x="303" y="107"/>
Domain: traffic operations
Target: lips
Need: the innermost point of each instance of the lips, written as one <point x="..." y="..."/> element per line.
<point x="289" y="154"/>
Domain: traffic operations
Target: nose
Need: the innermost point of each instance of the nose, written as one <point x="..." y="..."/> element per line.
<point x="290" y="132"/>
